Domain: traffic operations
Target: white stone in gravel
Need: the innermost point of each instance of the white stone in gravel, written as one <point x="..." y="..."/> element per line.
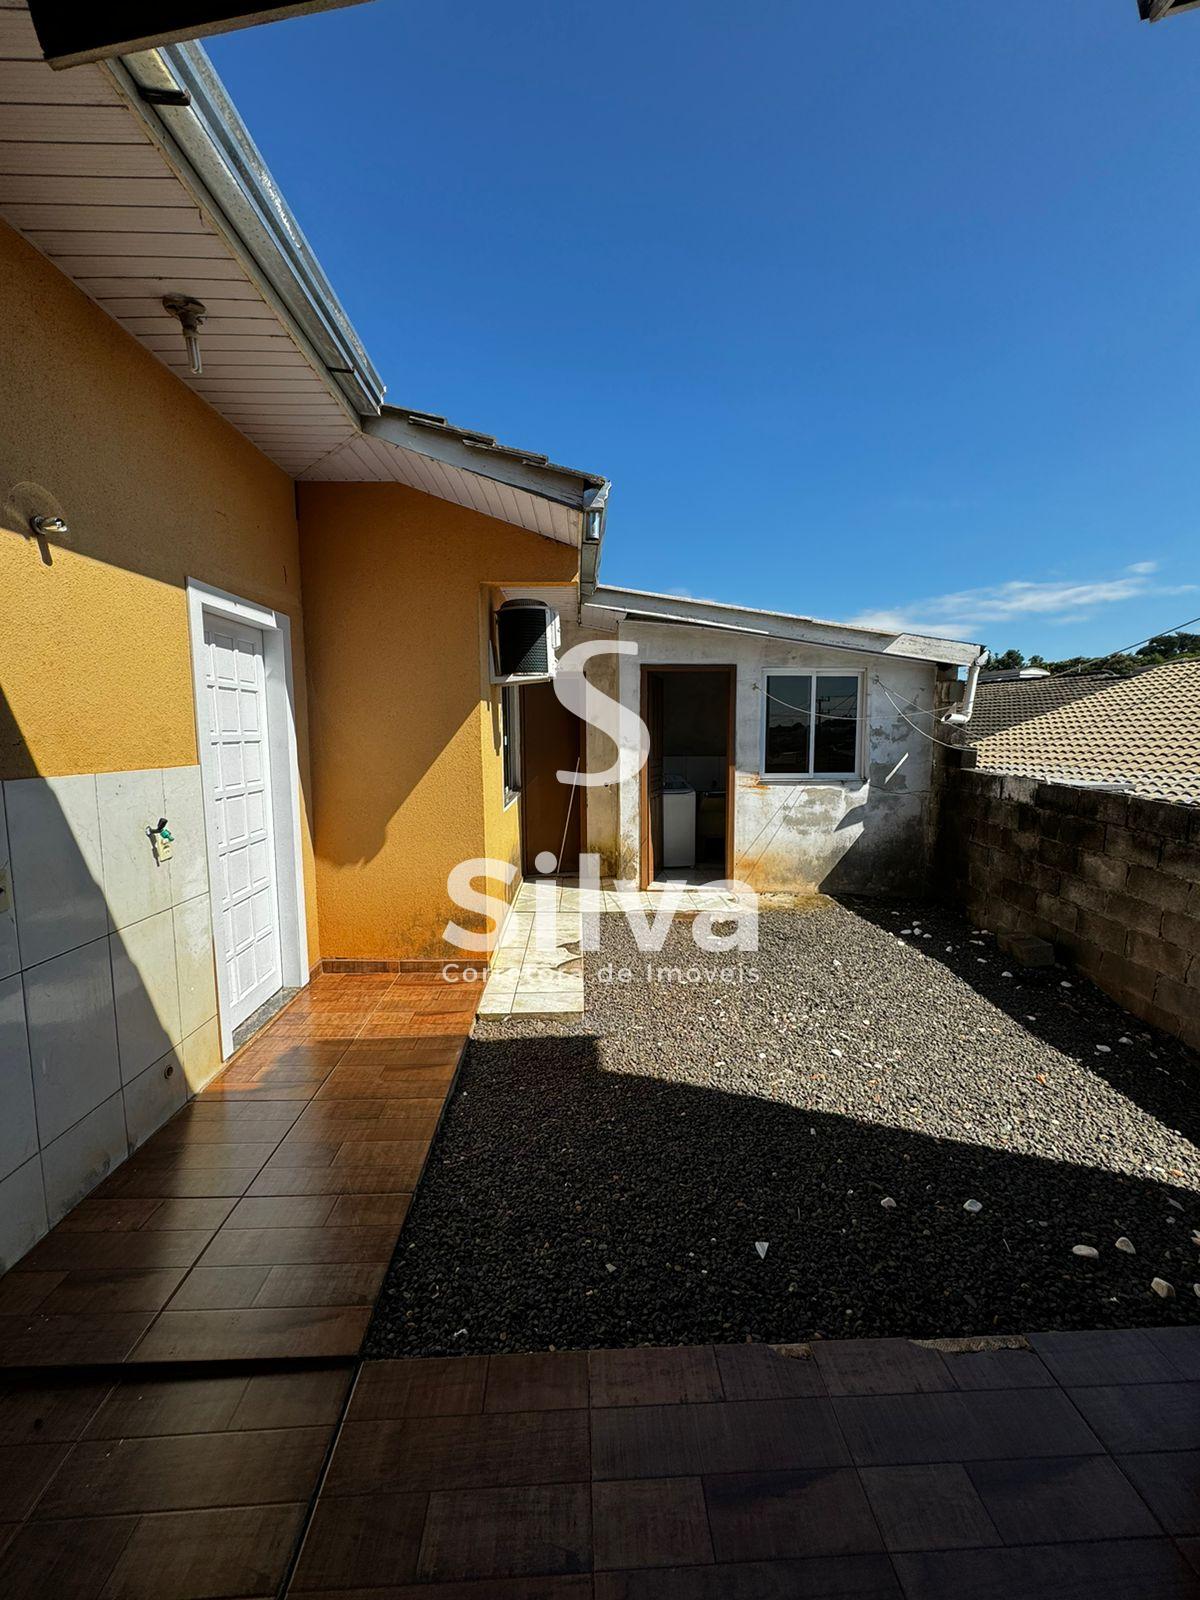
<point x="1124" y="1039"/>
<point x="1126" y="1245"/>
<point x="972" y="1206"/>
<point x="1065" y="985"/>
<point x="1196" y="1290"/>
<point x="888" y="1203"/>
<point x="1163" y="1289"/>
<point x="1104" y="1049"/>
<point x="1006" y="974"/>
<point x="1196" y="1236"/>
<point x="761" y="1245"/>
<point x="1087" y="1251"/>
<point x="1174" y="1205"/>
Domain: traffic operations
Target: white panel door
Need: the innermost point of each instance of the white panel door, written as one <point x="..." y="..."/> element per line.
<point x="238" y="783"/>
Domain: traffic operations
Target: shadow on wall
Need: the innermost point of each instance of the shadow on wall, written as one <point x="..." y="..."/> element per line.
<point x="107" y="989"/>
<point x="567" y="1205"/>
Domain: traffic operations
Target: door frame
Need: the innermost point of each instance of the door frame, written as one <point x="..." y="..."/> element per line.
<point x="284" y="772"/>
<point x="645" y="841"/>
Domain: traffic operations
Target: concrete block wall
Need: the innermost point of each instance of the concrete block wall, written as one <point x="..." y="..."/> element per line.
<point x="1112" y="880"/>
<point x="108" y="1001"/>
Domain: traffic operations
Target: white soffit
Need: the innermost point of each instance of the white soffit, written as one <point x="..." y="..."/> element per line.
<point x="370" y="460"/>
<point x="82" y="180"/>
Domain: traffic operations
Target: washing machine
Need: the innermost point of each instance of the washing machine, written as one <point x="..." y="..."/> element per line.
<point x="679" y="824"/>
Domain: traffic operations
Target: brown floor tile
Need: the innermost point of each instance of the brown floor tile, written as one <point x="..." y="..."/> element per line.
<point x="880" y="1366"/>
<point x="997" y="1369"/>
<point x="765" y="1516"/>
<point x="142" y="1251"/>
<point x="219" y="1288"/>
<point x="293" y="1399"/>
<point x="183" y="1183"/>
<point x="25" y="1471"/>
<point x="1181" y="1347"/>
<point x="156" y="1407"/>
<point x="370" y="1210"/>
<point x="442" y="1386"/>
<point x="107" y="1289"/>
<point x="21" y="1292"/>
<point x="461" y="1452"/>
<point x="276" y="1247"/>
<point x="107" y="1216"/>
<point x="1105" y="1356"/>
<point x="63" y="1560"/>
<point x="653" y="1377"/>
<point x="555" y="1381"/>
<point x="886" y="1430"/>
<point x="253" y="1335"/>
<point x="170" y="1216"/>
<point x="1061" y="1498"/>
<point x="70" y="1341"/>
<point x="333" y="1180"/>
<point x="186" y="1472"/>
<point x="757" y="1372"/>
<point x="1130" y="1569"/>
<point x="334" y="1284"/>
<point x="1169" y="1483"/>
<point x="645" y="1442"/>
<point x="928" y="1508"/>
<point x="1147" y="1416"/>
<point x="867" y="1577"/>
<point x="362" y="1540"/>
<point x="650" y="1522"/>
<point x="46" y="1410"/>
<point x="192" y="1555"/>
<point x="289" y="1211"/>
<point x="499" y="1533"/>
<point x="190" y="1153"/>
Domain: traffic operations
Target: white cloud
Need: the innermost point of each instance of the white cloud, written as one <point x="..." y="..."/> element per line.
<point x="968" y="612"/>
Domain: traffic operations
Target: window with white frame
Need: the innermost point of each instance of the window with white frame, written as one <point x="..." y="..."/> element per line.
<point x="812" y="724"/>
<point x="510" y="738"/>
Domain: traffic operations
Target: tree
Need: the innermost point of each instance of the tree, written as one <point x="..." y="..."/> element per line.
<point x="1010" y="661"/>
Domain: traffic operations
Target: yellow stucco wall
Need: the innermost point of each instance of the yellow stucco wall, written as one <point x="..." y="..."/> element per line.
<point x="157" y="488"/>
<point x="406" y="763"/>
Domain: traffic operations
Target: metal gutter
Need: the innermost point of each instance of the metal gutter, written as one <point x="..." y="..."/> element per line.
<point x="203" y="133"/>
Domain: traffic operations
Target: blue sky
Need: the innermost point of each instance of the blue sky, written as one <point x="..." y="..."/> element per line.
<point x="872" y="311"/>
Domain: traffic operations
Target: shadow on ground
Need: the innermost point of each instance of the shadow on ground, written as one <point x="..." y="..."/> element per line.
<point x="583" y="1192"/>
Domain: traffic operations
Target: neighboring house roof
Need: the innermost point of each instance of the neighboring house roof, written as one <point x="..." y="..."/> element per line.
<point x="1141" y="733"/>
<point x="137" y="178"/>
<point x="610" y="606"/>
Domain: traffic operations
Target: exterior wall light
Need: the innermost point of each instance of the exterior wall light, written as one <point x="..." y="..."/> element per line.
<point x="49" y="527"/>
<point x="190" y="315"/>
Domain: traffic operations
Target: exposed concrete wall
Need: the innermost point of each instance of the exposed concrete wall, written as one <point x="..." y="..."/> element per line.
<point x="870" y="835"/>
<point x="1113" y="881"/>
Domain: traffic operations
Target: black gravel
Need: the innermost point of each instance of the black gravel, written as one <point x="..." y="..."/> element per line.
<point x="602" y="1181"/>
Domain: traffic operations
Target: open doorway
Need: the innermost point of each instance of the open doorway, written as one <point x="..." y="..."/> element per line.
<point x="687" y="783"/>
<point x="551" y="812"/>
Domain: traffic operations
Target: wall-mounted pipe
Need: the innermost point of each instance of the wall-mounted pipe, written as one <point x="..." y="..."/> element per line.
<point x="959" y="719"/>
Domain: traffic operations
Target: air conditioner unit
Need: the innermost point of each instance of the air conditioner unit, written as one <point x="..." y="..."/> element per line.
<point x="525" y="640"/>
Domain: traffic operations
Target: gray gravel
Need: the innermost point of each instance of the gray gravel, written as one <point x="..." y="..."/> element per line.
<point x="605" y="1180"/>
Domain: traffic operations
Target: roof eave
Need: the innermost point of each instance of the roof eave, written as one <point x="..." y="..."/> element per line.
<point x="211" y="145"/>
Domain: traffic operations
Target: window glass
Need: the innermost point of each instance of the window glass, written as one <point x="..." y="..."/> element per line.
<point x="835" y="743"/>
<point x="510" y="735"/>
<point x="789" y="706"/>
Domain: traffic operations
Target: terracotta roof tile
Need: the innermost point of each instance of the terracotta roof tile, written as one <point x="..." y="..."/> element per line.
<point x="1141" y="732"/>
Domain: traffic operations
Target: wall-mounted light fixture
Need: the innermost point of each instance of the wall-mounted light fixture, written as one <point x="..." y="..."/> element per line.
<point x="190" y="315"/>
<point x="30" y="508"/>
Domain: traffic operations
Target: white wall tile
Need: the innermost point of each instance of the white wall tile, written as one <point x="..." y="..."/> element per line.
<point x="54" y="837"/>
<point x="10" y="958"/>
<point x="135" y="884"/>
<point x="202" y="1056"/>
<point x="153" y="1096"/>
<point x="75" y="1163"/>
<point x="146" y="992"/>
<point x="22" y="1212"/>
<point x="183" y="806"/>
<point x="72" y="1036"/>
<point x="18" y="1124"/>
<point x="194" y="964"/>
